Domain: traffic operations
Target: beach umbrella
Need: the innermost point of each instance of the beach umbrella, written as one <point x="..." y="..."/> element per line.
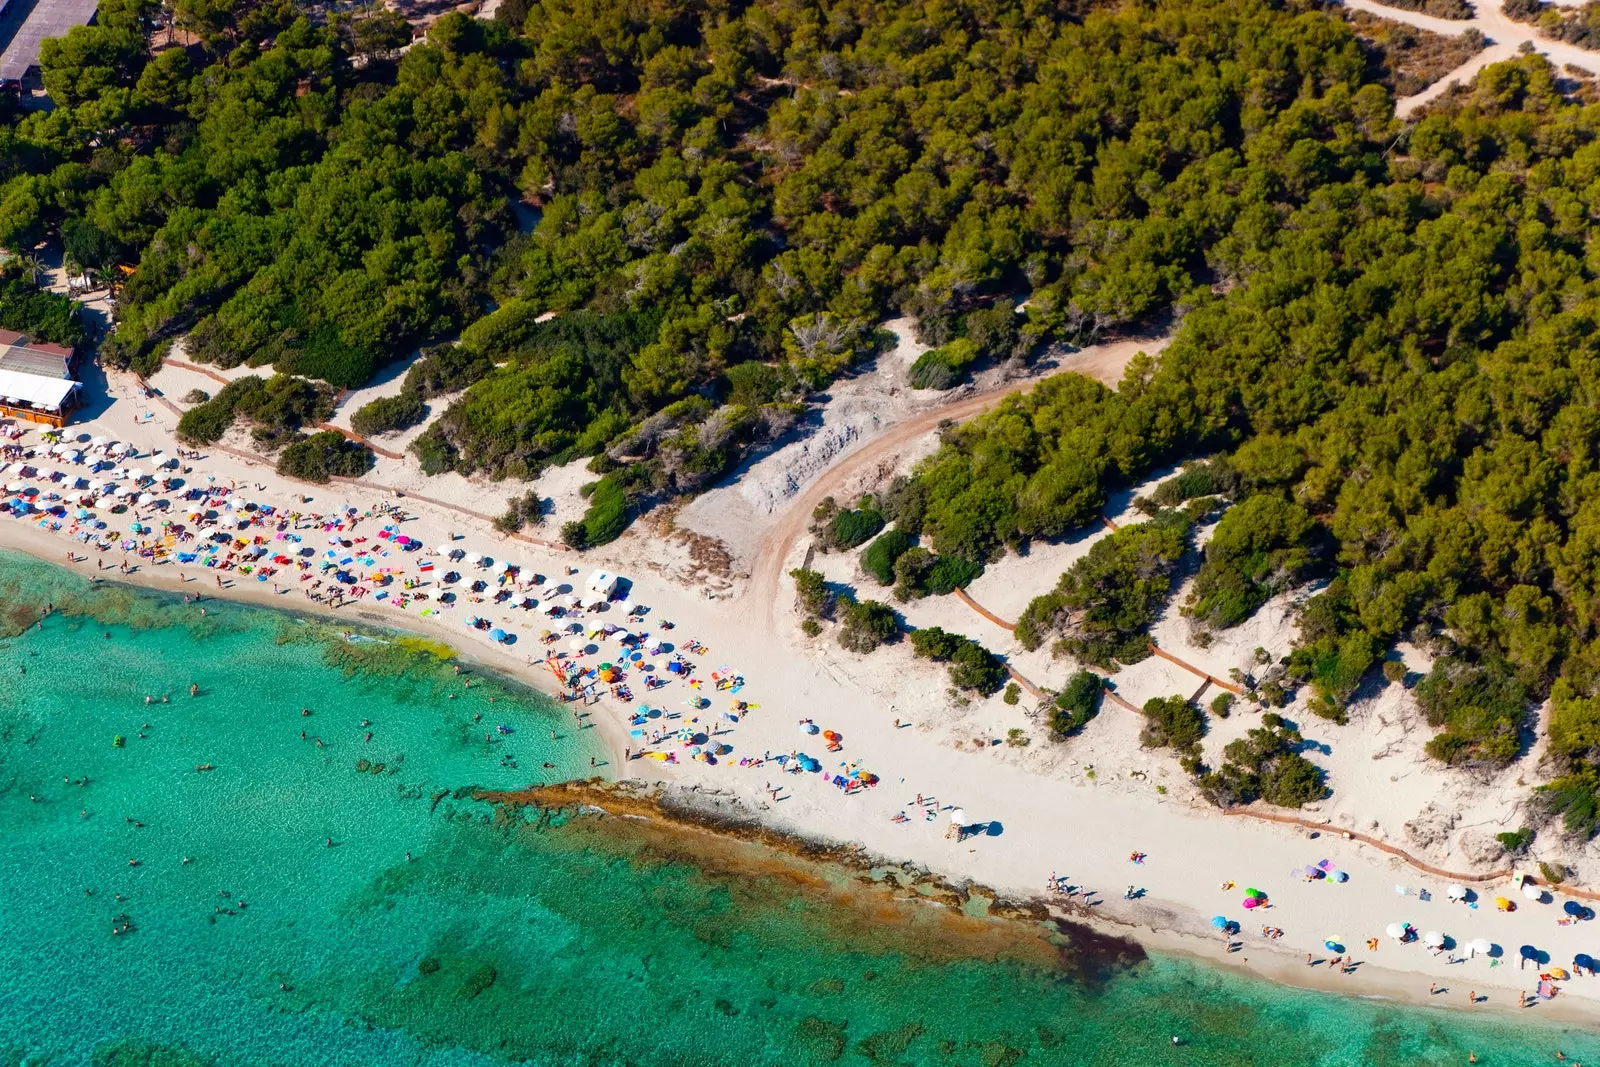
<point x="474" y="559"/>
<point x="502" y="566"/>
<point x="1254" y="893"/>
<point x="1528" y="952"/>
<point x="97" y="442"/>
<point x="809" y="728"/>
<point x="70" y="455"/>
<point x="1502" y="903"/>
<point x="1433" y="939"/>
<point x="1533" y="892"/>
<point x="1219" y="922"/>
<point x="1583" y="960"/>
<point x="1481" y="946"/>
<point x="958" y="817"/>
<point x="1339" y="876"/>
<point x="497" y="634"/>
<point x="1574" y="909"/>
<point x="1333" y="942"/>
<point x="121" y="490"/>
<point x="106" y="502"/>
<point x="1456" y="892"/>
<point x="82" y="513"/>
<point x="578" y="644"/>
<point x="573" y="601"/>
<point x="147" y="498"/>
<point x="16" y="487"/>
<point x="1396" y="930"/>
<point x="136" y="474"/>
<point x="1250" y="902"/>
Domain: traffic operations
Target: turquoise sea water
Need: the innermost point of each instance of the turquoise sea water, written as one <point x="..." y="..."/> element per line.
<point x="507" y="938"/>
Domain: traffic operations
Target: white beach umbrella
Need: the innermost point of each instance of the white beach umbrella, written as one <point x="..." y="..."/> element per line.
<point x="1433" y="939"/>
<point x="549" y="607"/>
<point x="578" y="644"/>
<point x="147" y="498"/>
<point x="1456" y="892"/>
<point x="16" y="487"/>
<point x="121" y="490"/>
<point x="70" y="455"/>
<point x="958" y="817"/>
<point x="97" y="442"/>
<point x="1480" y="946"/>
<point x="1395" y="930"/>
<point x="106" y="502"/>
<point x="502" y="566"/>
<point x="136" y="474"/>
<point x="1533" y="892"/>
<point x="473" y="558"/>
<point x="117" y="448"/>
<point x="621" y="635"/>
<point x="573" y="601"/>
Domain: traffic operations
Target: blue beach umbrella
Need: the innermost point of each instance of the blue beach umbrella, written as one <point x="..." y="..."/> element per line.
<point x="1573" y="908"/>
<point x="497" y="634"/>
<point x="1219" y="922"/>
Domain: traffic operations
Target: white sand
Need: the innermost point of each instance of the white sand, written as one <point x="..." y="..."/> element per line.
<point x="1043" y="811"/>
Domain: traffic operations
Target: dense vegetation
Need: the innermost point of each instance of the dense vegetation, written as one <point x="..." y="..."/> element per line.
<point x="276" y="408"/>
<point x="1265" y="764"/>
<point x="1439" y="9"/>
<point x="1407" y="59"/>
<point x="1104" y="604"/>
<point x="324" y="456"/>
<point x="27" y="308"/>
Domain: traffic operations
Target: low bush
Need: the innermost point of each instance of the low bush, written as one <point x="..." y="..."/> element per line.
<point x="1478" y="708"/>
<point x="972" y="666"/>
<point x="867" y="624"/>
<point x="942" y="368"/>
<point x="1076" y="704"/>
<point x="1172" y="722"/>
<point x="1265" y="764"/>
<point x="857" y="527"/>
<point x="524" y="510"/>
<point x="816" y="600"/>
<point x="607" y="516"/>
<point x="324" y="456"/>
<point x="879" y="558"/>
<point x="389" y="413"/>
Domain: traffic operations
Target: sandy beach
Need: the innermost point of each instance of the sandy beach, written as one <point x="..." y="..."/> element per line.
<point x="1075" y="812"/>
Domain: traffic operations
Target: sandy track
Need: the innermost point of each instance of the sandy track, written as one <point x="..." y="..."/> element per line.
<point x="1104" y="362"/>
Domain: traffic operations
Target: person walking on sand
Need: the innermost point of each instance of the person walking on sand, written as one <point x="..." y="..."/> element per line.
<point x="1472" y="996"/>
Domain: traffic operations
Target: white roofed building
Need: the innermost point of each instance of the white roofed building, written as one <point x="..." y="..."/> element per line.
<point x="36" y="380"/>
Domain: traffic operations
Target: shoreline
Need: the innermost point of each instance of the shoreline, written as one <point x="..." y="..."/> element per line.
<point x="1171" y="925"/>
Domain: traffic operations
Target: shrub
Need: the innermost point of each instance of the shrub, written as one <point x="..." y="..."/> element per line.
<point x="941" y="368"/>
<point x="867" y="624"/>
<point x="521" y="511"/>
<point x="389" y="413"/>
<point x="1261" y="546"/>
<point x="816" y="600"/>
<point x="810" y="627"/>
<point x="852" y="528"/>
<point x="1013" y="694"/>
<point x="1172" y="722"/>
<point x="607" y="516"/>
<point x="575" y="535"/>
<point x="1015" y="738"/>
<point x="1213" y="477"/>
<point x="324" y="456"/>
<point x="1552" y="874"/>
<point x="1394" y="671"/>
<point x="879" y="558"/>
<point x="972" y="666"/>
<point x="919" y="573"/>
<point x="1222" y="705"/>
<point x="1104" y="604"/>
<point x="196" y="396"/>
<point x="1265" y="764"/>
<point x="446" y="369"/>
<point x="1077" y="704"/>
<point x="1479" y="709"/>
<point x="1516" y="842"/>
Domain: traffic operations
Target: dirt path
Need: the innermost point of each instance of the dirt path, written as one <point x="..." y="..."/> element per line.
<point x="1104" y="362"/>
<point x="1504" y="35"/>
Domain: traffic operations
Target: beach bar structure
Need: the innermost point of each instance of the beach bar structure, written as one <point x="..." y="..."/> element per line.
<point x="604" y="583"/>
<point x="24" y="24"/>
<point x="36" y="380"/>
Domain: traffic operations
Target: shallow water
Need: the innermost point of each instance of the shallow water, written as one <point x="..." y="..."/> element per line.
<point x="506" y="938"/>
